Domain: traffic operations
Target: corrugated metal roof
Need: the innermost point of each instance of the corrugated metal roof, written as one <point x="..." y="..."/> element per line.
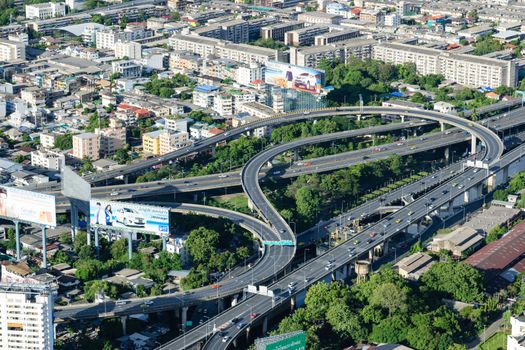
<point x="502" y="253"/>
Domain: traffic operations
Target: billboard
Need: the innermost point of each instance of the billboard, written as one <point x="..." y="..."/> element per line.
<point x="27" y="206"/>
<point x="294" y="77"/>
<point x="129" y="217"/>
<point x="287" y="341"/>
<point x="76" y="189"/>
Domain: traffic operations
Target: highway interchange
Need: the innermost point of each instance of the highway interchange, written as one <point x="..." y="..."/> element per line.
<point x="317" y="268"/>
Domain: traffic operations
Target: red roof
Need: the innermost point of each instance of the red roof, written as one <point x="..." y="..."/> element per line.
<point x="356" y="10"/>
<point x="504" y="252"/>
<point x="215" y="131"/>
<point x="127" y="107"/>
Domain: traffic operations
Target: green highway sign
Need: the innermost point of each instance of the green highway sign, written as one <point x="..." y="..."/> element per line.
<point x="285" y="242"/>
<point x="189" y="323"/>
<point x="294" y="341"/>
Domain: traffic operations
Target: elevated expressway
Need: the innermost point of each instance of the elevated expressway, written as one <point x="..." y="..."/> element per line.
<point x="273" y="260"/>
<point x="396" y="222"/>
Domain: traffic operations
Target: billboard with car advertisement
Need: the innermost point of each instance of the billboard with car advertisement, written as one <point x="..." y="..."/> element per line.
<point x="27" y="206"/>
<point x="129" y="217"/>
<point x="294" y="77"/>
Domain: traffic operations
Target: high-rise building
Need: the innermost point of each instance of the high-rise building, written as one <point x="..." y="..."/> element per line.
<point x="26" y="313"/>
<point x="111" y="138"/>
<point x="86" y="145"/>
<point x="304" y="36"/>
<point x="277" y="31"/>
<point x="132" y="50"/>
<point x="12" y="50"/>
<point x="45" y="10"/>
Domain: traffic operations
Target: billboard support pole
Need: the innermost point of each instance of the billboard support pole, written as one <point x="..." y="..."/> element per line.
<point x="96" y="241"/>
<point x="44" y="248"/>
<point x="163" y="243"/>
<point x="130" y="245"/>
<point x="74" y="219"/>
<point x="88" y="237"/>
<point x="17" y="236"/>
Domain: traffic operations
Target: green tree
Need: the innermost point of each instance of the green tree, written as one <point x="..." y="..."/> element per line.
<point x="346" y="322"/>
<point x="64" y="141"/>
<point x="308" y="203"/>
<point x="202" y="244"/>
<point x="390" y="297"/>
<point x="458" y="280"/>
<point x="390" y="330"/>
<point x="119" y="249"/>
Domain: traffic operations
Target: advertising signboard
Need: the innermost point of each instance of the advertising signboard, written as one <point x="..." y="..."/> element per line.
<point x="129" y="217"/>
<point x="294" y="77"/>
<point x="27" y="206"/>
<point x="287" y="341"/>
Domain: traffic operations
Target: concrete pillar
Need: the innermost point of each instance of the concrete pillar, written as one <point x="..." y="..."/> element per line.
<point x="442" y="125"/>
<point x="123" y="321"/>
<point x="220" y="304"/>
<point x="163" y="243"/>
<point x="17" y="237"/>
<point x="126" y="179"/>
<point x="333" y="275"/>
<point x="345" y="271"/>
<point x="88" y="237"/>
<point x="402" y="118"/>
<point x="235" y="300"/>
<point x="359" y="117"/>
<point x="295" y="154"/>
<point x="371" y="255"/>
<point x="183" y="316"/>
<point x="130" y="245"/>
<point x="447" y="153"/>
<point x="195" y="197"/>
<point x="265" y="325"/>
<point x="292" y="303"/>
<point x="386" y="246"/>
<point x="44" y="248"/>
<point x="505" y="173"/>
<point x="491" y="182"/>
<point x="97" y="248"/>
<point x="473" y="144"/>
<point x="248" y="331"/>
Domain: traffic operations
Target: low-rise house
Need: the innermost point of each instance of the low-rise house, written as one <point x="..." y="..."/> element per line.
<point x="413" y="266"/>
<point x="458" y="242"/>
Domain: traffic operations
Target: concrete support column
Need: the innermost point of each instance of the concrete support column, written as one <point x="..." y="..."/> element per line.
<point x="220" y="304"/>
<point x="124" y="321"/>
<point x="126" y="179"/>
<point x="265" y="325"/>
<point x="44" y="248"/>
<point x="333" y="275"/>
<point x="505" y="173"/>
<point x="163" y="243"/>
<point x="402" y="118"/>
<point x="371" y="255"/>
<point x="442" y="125"/>
<point x="473" y="143"/>
<point x="183" y="316"/>
<point x="195" y="197"/>
<point x="88" y="237"/>
<point x="292" y="303"/>
<point x="235" y="300"/>
<point x="447" y="153"/>
<point x="345" y="271"/>
<point x="248" y="331"/>
<point x="295" y="154"/>
<point x="97" y="248"/>
<point x="386" y="246"/>
<point x="17" y="238"/>
<point x="130" y="245"/>
<point x="491" y="182"/>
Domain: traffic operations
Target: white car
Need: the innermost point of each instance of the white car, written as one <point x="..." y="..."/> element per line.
<point x="130" y="217"/>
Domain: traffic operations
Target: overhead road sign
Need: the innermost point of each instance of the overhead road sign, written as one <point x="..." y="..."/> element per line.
<point x="284" y="242"/>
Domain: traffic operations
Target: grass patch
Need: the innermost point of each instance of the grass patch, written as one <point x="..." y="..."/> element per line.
<point x="237" y="202"/>
<point x="498" y="341"/>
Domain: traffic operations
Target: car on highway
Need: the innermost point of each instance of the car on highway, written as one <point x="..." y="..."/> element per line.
<point x="130" y="217"/>
<point x="372" y="234"/>
<point x="148" y="302"/>
<point x="356" y="242"/>
<point x="222" y="176"/>
<point x="398" y="221"/>
<point x="225" y="339"/>
<point x="121" y="302"/>
<point x="292" y="284"/>
<point x="114" y="193"/>
<point x="413" y="147"/>
<point x="240" y="325"/>
<point x="253" y="315"/>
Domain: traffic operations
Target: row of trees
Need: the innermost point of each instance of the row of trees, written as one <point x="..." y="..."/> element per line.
<point x="306" y="197"/>
<point x="386" y="309"/>
<point x="166" y="87"/>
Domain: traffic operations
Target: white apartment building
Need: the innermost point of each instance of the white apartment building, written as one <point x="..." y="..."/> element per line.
<point x="12" y="50"/>
<point x="245" y="75"/>
<point x="106" y="39"/>
<point x="47" y="140"/>
<point x="86" y="145"/>
<point x="75" y="4"/>
<point x="128" y="69"/>
<point x="26" y="312"/>
<point x="223" y="104"/>
<point x="45" y="10"/>
<point x="392" y="20"/>
<point x="47" y="159"/>
<point x="206" y="47"/>
<point x="257" y="109"/>
<point x="304" y="36"/>
<point x="516" y="339"/>
<point x="468" y="70"/>
<point x="312" y="56"/>
<point x="131" y="50"/>
<point x="173" y="124"/>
